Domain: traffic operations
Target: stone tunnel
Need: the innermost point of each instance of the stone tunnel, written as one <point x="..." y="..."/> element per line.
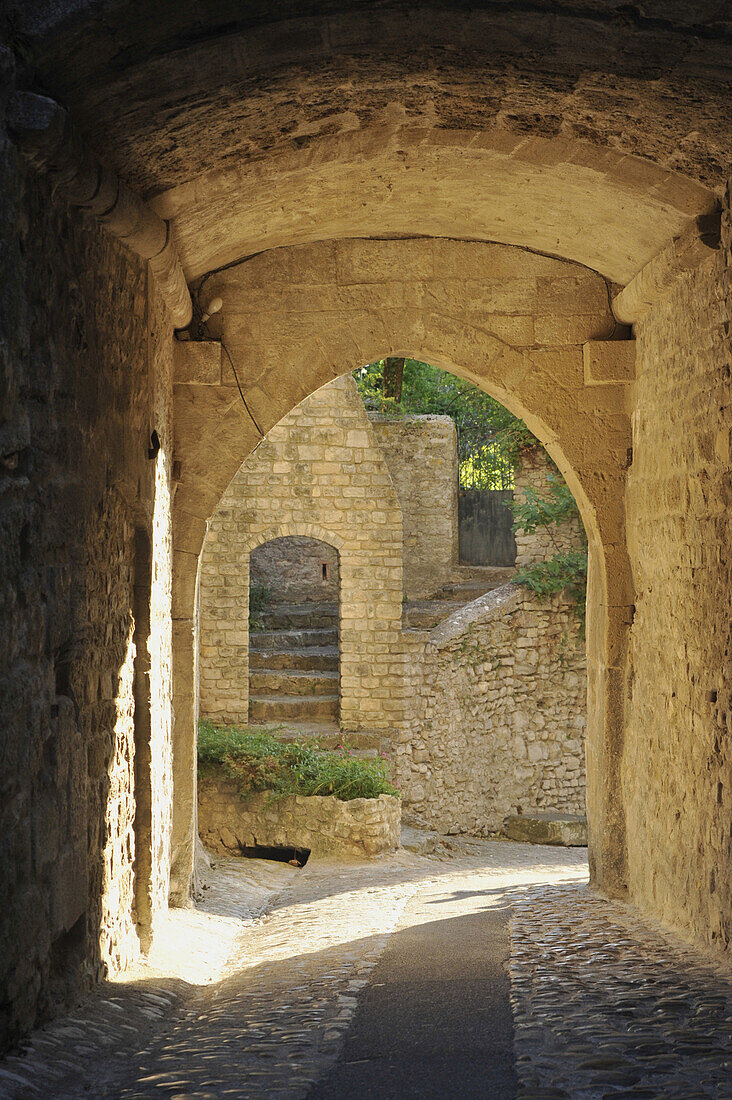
<point x="536" y="201"/>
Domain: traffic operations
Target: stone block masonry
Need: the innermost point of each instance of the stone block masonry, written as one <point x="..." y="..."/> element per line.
<point x="531" y="473"/>
<point x="499" y="714"/>
<point x="677" y="762"/>
<point x="323" y="824"/>
<point x="421" y="453"/>
<point x="85" y="378"/>
<point x="320" y="474"/>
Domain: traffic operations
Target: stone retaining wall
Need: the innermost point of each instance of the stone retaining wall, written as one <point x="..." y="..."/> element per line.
<point x="325" y="825"/>
<point x="499" y="693"/>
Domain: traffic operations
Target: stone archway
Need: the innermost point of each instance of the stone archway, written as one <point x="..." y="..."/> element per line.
<point x="511" y="321"/>
<point x="293" y="485"/>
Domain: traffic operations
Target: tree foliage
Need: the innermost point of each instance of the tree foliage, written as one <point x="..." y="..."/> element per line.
<point x="490" y="438"/>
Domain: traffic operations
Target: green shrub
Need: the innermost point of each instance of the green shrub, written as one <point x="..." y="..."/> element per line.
<point x="257" y="761"/>
<point x="565" y="572"/>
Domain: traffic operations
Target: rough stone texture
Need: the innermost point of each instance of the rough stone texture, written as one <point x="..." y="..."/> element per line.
<point x="84" y="379"/>
<point x="292" y="570"/>
<point x="318" y="473"/>
<point x="325" y="825"/>
<point x="421" y="454"/>
<point x="568" y="830"/>
<point x="677" y="762"/>
<point x="499" y="715"/>
<point x="504" y="123"/>
<point x="531" y="473"/>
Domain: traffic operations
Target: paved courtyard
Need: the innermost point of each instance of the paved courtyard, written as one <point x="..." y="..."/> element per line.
<point x="391" y="979"/>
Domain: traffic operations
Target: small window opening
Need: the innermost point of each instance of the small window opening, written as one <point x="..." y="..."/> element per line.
<point x="325" y="569"/>
<point x="297" y="857"/>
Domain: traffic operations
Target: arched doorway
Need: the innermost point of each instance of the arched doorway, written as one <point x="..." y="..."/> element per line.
<point x="294" y="590"/>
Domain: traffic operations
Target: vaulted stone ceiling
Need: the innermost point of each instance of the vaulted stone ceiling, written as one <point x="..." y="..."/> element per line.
<point x="591" y="130"/>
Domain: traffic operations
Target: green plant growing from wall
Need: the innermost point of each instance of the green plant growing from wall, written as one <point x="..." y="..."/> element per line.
<point x="257" y="761"/>
<point x="565" y="571"/>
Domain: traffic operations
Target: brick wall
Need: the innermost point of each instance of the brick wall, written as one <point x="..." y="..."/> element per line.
<point x="499" y="716"/>
<point x="318" y="473"/>
<point x="421" y="453"/>
<point x="677" y="763"/>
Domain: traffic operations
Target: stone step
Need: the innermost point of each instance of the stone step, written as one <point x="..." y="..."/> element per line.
<point x="279" y="640"/>
<point x="288" y="708"/>
<point x="323" y="658"/>
<point x="300" y="617"/>
<point x="493" y="575"/>
<point x="545" y="827"/>
<point x="427" y="617"/>
<point x="277" y="681"/>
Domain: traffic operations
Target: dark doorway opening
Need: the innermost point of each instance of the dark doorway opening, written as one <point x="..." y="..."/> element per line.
<point x="297" y="857"/>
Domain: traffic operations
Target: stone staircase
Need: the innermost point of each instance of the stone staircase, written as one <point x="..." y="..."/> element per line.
<point x="467" y="583"/>
<point x="293" y="668"/>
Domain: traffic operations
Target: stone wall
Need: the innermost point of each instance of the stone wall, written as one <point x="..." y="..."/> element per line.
<point x="84" y="380"/>
<point x="326" y="825"/>
<point x="499" y="716"/>
<point x="677" y="763"/>
<point x="320" y="474"/>
<point x="531" y="473"/>
<point x="421" y="453"/>
<point x="292" y="570"/>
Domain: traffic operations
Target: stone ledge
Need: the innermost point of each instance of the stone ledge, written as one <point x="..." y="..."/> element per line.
<point x="361" y="827"/>
<point x="567" y="830"/>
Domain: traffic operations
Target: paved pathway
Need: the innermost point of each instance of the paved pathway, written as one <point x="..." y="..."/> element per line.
<point x="388" y="980"/>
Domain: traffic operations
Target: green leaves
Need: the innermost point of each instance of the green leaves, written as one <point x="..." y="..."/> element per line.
<point x="533" y="511"/>
<point x="490" y="438"/>
<point x="257" y="761"/>
<point x="566" y="571"/>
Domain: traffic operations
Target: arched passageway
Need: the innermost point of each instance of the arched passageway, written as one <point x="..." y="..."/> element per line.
<point x="505" y="319"/>
<point x="525" y="167"/>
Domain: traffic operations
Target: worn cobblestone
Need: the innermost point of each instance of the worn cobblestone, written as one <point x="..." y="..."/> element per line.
<point x="608" y="1006"/>
<point x="251" y="994"/>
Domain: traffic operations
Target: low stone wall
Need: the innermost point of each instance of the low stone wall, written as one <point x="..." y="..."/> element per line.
<point x="499" y="714"/>
<point x="326" y="825"/>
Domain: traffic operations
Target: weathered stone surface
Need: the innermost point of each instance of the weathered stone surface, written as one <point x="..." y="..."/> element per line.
<point x="568" y="830"/>
<point x="544" y="542"/>
<point x="677" y="760"/>
<point x="326" y="825"/>
<point x="609" y="362"/>
<point x="320" y="474"/>
<point x="421" y="453"/>
<point x="85" y="350"/>
<point x="292" y="570"/>
<point x="497" y="717"/>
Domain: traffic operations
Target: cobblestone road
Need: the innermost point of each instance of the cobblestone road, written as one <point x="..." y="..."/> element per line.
<point x="237" y="1001"/>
